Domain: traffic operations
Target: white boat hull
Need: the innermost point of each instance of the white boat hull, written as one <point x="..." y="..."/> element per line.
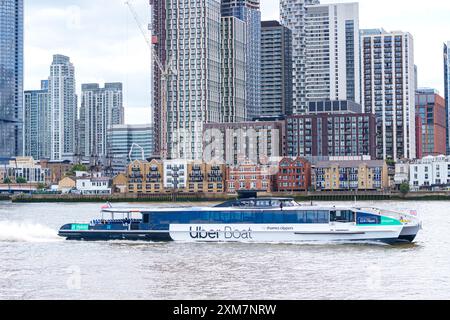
<point x="282" y="233"/>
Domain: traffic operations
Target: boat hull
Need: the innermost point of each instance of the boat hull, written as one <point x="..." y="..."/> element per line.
<point x="246" y="233"/>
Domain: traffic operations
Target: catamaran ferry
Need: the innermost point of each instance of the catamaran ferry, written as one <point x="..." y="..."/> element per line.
<point x="249" y="220"/>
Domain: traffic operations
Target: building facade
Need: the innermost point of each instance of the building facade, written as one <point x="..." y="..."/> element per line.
<point x="401" y="172"/>
<point x="37" y="122"/>
<point x="145" y="177"/>
<point x="332" y="52"/>
<point x="205" y="177"/>
<point x="249" y="12"/>
<point x="63" y="108"/>
<point x="388" y="91"/>
<point x="248" y="176"/>
<point x="234" y="143"/>
<point x="94" y="185"/>
<point x="294" y="175"/>
<point x="159" y="36"/>
<point x="192" y="42"/>
<point x="276" y="69"/>
<point x="430" y="173"/>
<point x="233" y="85"/>
<point x="11" y="78"/>
<point x="292" y="13"/>
<point x="175" y="174"/>
<point x="58" y="169"/>
<point x="430" y="107"/>
<point x="331" y="134"/>
<point x="25" y="168"/>
<point x="350" y="175"/>
<point x="447" y="90"/>
<point x="100" y="109"/>
<point x="126" y="139"/>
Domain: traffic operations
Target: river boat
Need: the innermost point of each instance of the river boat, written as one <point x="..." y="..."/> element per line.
<point x="249" y="220"/>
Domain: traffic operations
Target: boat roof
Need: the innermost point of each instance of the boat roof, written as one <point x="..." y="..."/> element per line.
<point x="190" y="208"/>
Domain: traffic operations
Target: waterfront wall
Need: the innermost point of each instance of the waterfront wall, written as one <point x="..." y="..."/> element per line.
<point x="219" y="197"/>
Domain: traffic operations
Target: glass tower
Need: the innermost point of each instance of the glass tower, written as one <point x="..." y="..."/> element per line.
<point x="11" y="78"/>
<point x="249" y="12"/>
<point x="276" y="69"/>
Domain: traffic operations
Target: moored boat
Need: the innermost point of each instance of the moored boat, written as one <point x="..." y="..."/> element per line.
<point x="249" y="220"/>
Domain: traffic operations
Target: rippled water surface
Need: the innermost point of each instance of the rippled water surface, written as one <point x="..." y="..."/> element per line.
<point x="36" y="264"/>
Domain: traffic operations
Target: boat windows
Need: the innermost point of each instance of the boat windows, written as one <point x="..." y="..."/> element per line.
<point x="218" y="217"/>
<point x="343" y="216"/>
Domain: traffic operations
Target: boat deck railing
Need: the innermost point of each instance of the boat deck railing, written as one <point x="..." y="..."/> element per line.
<point x="114" y="221"/>
<point x="401" y="215"/>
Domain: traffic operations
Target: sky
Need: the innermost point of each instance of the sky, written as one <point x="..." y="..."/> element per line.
<point x="104" y="43"/>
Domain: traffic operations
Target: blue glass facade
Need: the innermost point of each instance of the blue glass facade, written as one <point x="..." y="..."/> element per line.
<point x="249" y="12"/>
<point x="11" y="78"/>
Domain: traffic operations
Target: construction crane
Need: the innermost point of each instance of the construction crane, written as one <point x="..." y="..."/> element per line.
<point x="166" y="72"/>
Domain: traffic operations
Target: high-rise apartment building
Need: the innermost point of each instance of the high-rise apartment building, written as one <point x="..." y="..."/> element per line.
<point x="63" y="108"/>
<point x="249" y="12"/>
<point x="233" y="44"/>
<point x="388" y="84"/>
<point x="430" y="107"/>
<point x="276" y="69"/>
<point x="192" y="40"/>
<point x="159" y="36"/>
<point x="332" y="52"/>
<point x="11" y="78"/>
<point x="447" y="91"/>
<point x="37" y="121"/>
<point x="100" y="109"/>
<point x="292" y="14"/>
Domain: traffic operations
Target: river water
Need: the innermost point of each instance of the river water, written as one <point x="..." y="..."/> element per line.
<point x="36" y="264"/>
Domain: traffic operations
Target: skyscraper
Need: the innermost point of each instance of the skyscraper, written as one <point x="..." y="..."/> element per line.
<point x="100" y="109"/>
<point x="233" y="51"/>
<point x="332" y="52"/>
<point x="63" y="108"/>
<point x="192" y="41"/>
<point x="388" y="90"/>
<point x="276" y="69"/>
<point x="292" y="14"/>
<point x="447" y="90"/>
<point x="159" y="35"/>
<point x="37" y="122"/>
<point x="11" y="78"/>
<point x="249" y="12"/>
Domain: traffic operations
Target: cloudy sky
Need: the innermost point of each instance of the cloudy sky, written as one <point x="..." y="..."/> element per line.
<point x="105" y="45"/>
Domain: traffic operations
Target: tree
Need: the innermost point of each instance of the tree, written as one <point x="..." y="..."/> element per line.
<point x="404" y="188"/>
<point x="41" y="186"/>
<point x="7" y="180"/>
<point x="77" y="167"/>
<point x="21" y="180"/>
<point x="390" y="162"/>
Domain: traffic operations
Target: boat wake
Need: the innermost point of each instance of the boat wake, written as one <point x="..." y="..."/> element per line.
<point x="26" y="232"/>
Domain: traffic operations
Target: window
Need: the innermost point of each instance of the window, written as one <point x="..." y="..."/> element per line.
<point x="343" y="216"/>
